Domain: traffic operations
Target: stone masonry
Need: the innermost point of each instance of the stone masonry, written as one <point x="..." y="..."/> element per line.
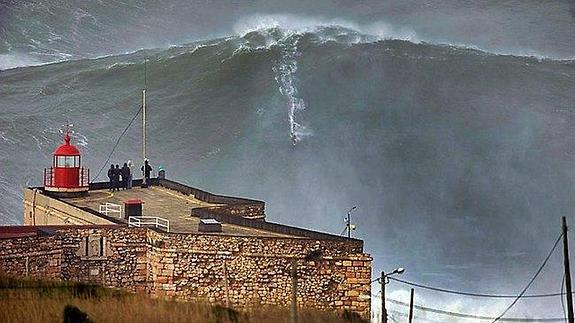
<point x="237" y="271"/>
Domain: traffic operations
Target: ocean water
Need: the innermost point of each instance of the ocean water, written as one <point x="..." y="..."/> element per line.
<point x="455" y="142"/>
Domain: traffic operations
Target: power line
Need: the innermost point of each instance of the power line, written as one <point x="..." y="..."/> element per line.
<point x="450" y="291"/>
<point x="467" y="315"/>
<point x="428" y="320"/>
<point x="531" y="281"/>
<point x="117" y="142"/>
<point x="473" y="316"/>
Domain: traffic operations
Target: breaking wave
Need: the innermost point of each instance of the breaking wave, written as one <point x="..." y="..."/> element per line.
<point x="446" y="141"/>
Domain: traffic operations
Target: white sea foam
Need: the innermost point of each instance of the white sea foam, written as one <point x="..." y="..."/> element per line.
<point x="374" y="31"/>
<point x="285" y="70"/>
<point x="296" y="24"/>
<point x="8" y="61"/>
<point x="5" y="138"/>
<point x="81" y="140"/>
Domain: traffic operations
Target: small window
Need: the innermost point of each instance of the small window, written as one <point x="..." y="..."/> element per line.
<point x="60" y="161"/>
<point x="67" y="161"/>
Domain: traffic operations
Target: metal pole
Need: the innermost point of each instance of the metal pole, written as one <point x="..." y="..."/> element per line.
<point x="567" y="271"/>
<point x="226" y="285"/>
<point x="411" y="307"/>
<point x="383" y="309"/>
<point x="144" y="181"/>
<point x="143" y="124"/>
<point x="349" y="224"/>
<point x="293" y="312"/>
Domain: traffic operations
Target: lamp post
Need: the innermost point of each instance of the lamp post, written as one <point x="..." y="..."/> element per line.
<point x="348" y="224"/>
<point x="383" y="280"/>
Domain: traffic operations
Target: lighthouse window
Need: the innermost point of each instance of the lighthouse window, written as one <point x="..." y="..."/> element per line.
<point x="67" y="161"/>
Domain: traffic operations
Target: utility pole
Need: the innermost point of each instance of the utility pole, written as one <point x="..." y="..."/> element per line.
<point x="383" y="309"/>
<point x="411" y="307"/>
<point x="567" y="271"/>
<point x="293" y="312"/>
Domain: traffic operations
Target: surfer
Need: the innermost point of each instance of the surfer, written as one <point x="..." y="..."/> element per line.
<point x="293" y="138"/>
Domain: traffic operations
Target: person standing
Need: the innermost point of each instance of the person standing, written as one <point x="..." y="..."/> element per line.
<point x="111" y="177"/>
<point x="146" y="170"/>
<point x="117" y="173"/>
<point x="130" y="177"/>
<point x="125" y="175"/>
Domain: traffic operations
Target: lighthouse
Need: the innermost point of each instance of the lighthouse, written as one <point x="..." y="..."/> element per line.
<point x="66" y="177"/>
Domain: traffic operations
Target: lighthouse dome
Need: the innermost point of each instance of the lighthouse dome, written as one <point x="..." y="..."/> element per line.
<point x="66" y="149"/>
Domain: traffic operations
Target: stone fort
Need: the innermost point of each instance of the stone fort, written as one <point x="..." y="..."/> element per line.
<point x="167" y="239"/>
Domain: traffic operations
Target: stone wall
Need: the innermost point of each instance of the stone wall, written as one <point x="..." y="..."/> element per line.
<point x="33" y="256"/>
<point x="115" y="257"/>
<point x="249" y="271"/>
<point x="235" y="270"/>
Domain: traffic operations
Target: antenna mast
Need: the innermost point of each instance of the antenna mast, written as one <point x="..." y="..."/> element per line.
<point x="144" y="113"/>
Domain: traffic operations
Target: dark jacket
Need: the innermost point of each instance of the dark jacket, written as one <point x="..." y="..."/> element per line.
<point x="125" y="172"/>
<point x="147" y="171"/>
<point x="117" y="172"/>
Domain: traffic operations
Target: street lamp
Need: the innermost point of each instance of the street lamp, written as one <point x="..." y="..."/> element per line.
<point x="348" y="224"/>
<point x="383" y="280"/>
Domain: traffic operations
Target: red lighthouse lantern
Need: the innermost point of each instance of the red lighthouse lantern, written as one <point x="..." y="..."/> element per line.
<point x="66" y="177"/>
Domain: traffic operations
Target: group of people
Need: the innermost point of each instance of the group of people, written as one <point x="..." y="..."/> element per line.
<point x="120" y="177"/>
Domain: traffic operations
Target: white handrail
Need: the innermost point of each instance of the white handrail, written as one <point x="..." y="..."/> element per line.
<point x="110" y="208"/>
<point x="139" y="221"/>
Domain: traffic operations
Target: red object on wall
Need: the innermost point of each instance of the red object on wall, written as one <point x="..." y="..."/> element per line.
<point x="66" y="174"/>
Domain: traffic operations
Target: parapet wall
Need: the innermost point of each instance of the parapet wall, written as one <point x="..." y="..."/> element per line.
<point x="40" y="209"/>
<point x="241" y="207"/>
<point x="234" y="270"/>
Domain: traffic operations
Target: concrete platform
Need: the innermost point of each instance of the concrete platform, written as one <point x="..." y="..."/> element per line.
<point x="164" y="203"/>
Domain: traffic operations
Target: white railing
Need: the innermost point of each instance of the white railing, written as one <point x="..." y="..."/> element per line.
<point x="110" y="208"/>
<point x="139" y="221"/>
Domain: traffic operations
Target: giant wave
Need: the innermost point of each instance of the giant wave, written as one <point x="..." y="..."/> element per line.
<point x="429" y="140"/>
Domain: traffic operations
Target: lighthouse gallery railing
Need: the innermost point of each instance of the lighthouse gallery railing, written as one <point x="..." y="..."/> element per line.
<point x="83" y="177"/>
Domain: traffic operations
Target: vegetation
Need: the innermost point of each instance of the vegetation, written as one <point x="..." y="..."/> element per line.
<point x="49" y="301"/>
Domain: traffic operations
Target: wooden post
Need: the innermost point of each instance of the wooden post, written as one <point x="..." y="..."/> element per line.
<point x="411" y="307"/>
<point x="567" y="271"/>
<point x="383" y="309"/>
<point x="293" y="312"/>
<point x="226" y="285"/>
<point x="27" y="266"/>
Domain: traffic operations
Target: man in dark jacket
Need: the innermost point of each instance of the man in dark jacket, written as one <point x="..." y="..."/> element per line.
<point x="111" y="177"/>
<point x="146" y="169"/>
<point x="125" y="176"/>
<point x="117" y="173"/>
